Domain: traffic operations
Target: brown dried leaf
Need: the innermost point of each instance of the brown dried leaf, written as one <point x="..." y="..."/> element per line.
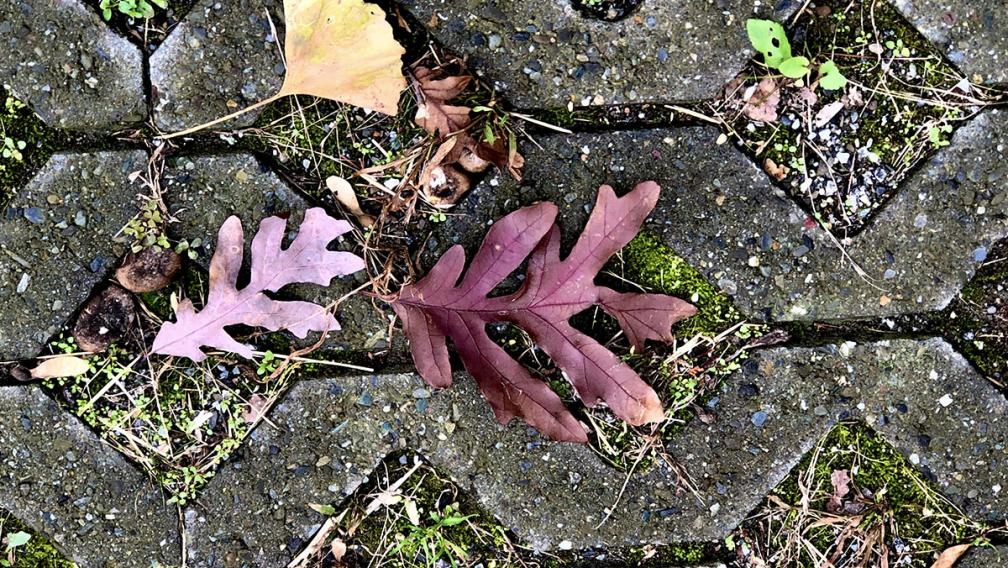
<point x="59" y="367"/>
<point x="841" y="487"/>
<point x="433" y="113"/>
<point x="950" y="556"/>
<point x="761" y="105"/>
<point x="347" y="197"/>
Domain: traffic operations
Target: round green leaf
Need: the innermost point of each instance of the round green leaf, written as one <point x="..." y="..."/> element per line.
<point x="769" y="39"/>
<point x="795" y="68"/>
<point x="832" y="79"/>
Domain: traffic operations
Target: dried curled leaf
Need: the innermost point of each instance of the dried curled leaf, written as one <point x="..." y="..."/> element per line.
<point x="59" y="367"/>
<point x="434" y="114"/>
<point x="305" y="260"/>
<point x="342" y="50"/>
<point x="436" y="308"/>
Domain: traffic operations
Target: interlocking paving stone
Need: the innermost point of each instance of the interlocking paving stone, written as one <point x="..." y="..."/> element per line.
<point x="221" y="58"/>
<point x="202" y="192"/>
<point x="58" y="477"/>
<point x="74" y="71"/>
<point x="56" y="243"/>
<point x="722" y="214"/>
<point x="985" y="558"/>
<point x="545" y="53"/>
<point x="974" y="33"/>
<point x="549" y="493"/>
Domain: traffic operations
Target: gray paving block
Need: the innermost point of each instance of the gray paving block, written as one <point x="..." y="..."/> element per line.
<point x="545" y="53"/>
<point x="202" y="192"/>
<point x="973" y="33"/>
<point x="222" y="57"/>
<point x="985" y="558"/>
<point x="722" y="214"/>
<point x="73" y="70"/>
<point x="56" y="243"/>
<point x="59" y="478"/>
<point x="766" y="417"/>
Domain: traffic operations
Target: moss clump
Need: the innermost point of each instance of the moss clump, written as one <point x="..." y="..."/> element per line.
<point x="37" y="552"/>
<point x="894" y="498"/>
<point x="25" y="142"/>
<point x="647" y="261"/>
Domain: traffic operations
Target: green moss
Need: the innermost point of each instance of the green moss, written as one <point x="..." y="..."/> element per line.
<point x="901" y="496"/>
<point x="20" y="125"/>
<point x="647" y="261"/>
<point x="38" y="552"/>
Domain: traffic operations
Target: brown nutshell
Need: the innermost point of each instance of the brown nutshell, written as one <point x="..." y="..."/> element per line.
<point x="106" y="318"/>
<point x="149" y="270"/>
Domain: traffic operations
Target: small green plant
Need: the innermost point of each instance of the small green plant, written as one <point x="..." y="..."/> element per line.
<point x="131" y="8"/>
<point x="936" y="134"/>
<point x="430" y="540"/>
<point x="770" y="39"/>
<point x="14" y="540"/>
<point x="147" y="230"/>
<point x="437" y="217"/>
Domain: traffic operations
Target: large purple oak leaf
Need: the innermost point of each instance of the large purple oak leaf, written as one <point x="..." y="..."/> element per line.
<point x="440" y="306"/>
<point x="306" y="260"/>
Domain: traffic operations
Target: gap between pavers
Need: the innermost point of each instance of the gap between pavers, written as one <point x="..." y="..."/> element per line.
<point x="724" y="216"/>
<point x="56" y="243"/>
<point x="57" y="476"/>
<point x="326" y="437"/>
<point x="73" y="70"/>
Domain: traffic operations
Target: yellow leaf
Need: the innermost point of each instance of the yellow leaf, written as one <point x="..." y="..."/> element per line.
<point x="63" y="366"/>
<point x="948" y="558"/>
<point x="342" y="50"/>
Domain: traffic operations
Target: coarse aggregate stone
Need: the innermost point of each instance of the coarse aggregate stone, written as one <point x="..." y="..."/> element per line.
<point x="57" y="242"/>
<point x="543" y="54"/>
<point x="202" y="192"/>
<point x="222" y="57"/>
<point x="59" y="478"/>
<point x="723" y="215"/>
<point x="973" y="33"/>
<point x="73" y="70"/>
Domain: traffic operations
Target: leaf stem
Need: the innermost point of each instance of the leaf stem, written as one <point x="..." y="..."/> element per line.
<point x="222" y="119"/>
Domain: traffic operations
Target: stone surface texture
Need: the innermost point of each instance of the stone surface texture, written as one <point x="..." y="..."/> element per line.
<point x="722" y="214"/>
<point x="973" y="33"/>
<point x="544" y="53"/>
<point x="202" y="192"/>
<point x="59" y="478"/>
<point x="223" y="57"/>
<point x="56" y="243"/>
<point x="537" y="488"/>
<point x="985" y="558"/>
<point x="73" y="70"/>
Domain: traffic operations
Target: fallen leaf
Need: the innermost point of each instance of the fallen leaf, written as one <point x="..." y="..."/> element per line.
<point x="342" y="50"/>
<point x="305" y="260"/>
<point x="841" y="480"/>
<point x="950" y="556"/>
<point x="505" y="157"/>
<point x="436" y="308"/>
<point x="446" y="186"/>
<point x="347" y="197"/>
<point x="808" y="96"/>
<point x="777" y="172"/>
<point x="761" y="104"/>
<point x="433" y="113"/>
<point x="59" y="367"/>
<point x="828" y="113"/>
<point x="338" y="549"/>
<point x="256" y="409"/>
<point x="885" y="301"/>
